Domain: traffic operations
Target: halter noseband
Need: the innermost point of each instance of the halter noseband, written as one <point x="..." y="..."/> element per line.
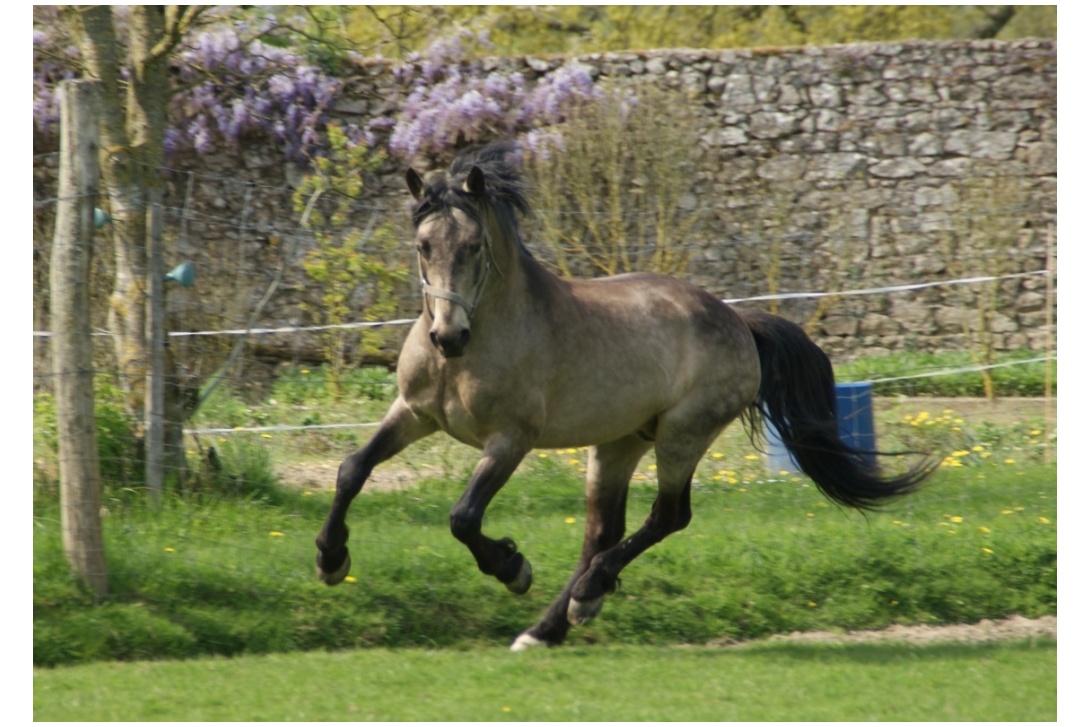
<point x="469" y="306"/>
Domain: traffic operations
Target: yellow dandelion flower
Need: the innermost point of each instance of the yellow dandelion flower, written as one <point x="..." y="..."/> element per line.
<point x="168" y="549"/>
<point x="543" y="455"/>
<point x="751" y="457"/>
<point x="1043" y="520"/>
<point x="987" y="551"/>
<point x="505" y="708"/>
<point x="985" y="454"/>
<point x="809" y="514"/>
<point x="266" y="435"/>
<point x="573" y="460"/>
<point x="1034" y="432"/>
<point x="652" y="468"/>
<point x="742" y="489"/>
<point x="978" y="448"/>
<point x="959" y="420"/>
<point x="1008" y="511"/>
<point x="350" y="579"/>
<point x="307" y="493"/>
<point x="275" y="534"/>
<point x="985" y="529"/>
<point x="732" y="481"/>
<point x="957" y="519"/>
<point x="784" y="473"/>
<point x="1008" y="460"/>
<point x="811" y="604"/>
<point x="717" y="455"/>
<point x="304" y="372"/>
<point x="569" y="520"/>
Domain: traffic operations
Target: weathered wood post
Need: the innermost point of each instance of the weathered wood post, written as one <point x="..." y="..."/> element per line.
<point x="70" y="315"/>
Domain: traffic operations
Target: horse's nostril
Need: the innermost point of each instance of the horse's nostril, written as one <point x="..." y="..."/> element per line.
<point x="450" y="346"/>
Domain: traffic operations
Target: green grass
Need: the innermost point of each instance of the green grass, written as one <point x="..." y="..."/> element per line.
<point x="942" y="682"/>
<point x="220" y="576"/>
<point x="227" y="568"/>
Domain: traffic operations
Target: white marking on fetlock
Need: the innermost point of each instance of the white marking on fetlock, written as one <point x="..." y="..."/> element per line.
<point x="581" y="612"/>
<point x="526" y="641"/>
<point x="522" y="581"/>
<point x="332" y="579"/>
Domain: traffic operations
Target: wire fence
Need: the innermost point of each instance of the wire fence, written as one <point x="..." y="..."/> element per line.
<point x="259" y="429"/>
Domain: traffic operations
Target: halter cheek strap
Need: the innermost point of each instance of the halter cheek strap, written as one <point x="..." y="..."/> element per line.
<point x="469" y="306"/>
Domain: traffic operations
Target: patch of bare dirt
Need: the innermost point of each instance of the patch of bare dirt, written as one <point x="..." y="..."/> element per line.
<point x="1013" y="628"/>
<point x="323" y="476"/>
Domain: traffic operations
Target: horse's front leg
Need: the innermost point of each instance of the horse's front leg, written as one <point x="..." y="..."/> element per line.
<point x="400" y="428"/>
<point x="499" y="558"/>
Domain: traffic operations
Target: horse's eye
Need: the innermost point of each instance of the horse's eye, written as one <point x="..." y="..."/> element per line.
<point x="423" y="247"/>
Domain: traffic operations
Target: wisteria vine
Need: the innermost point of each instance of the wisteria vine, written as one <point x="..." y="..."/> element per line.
<point x="234" y="84"/>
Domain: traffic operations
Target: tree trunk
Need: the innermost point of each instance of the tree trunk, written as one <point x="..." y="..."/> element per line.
<point x="70" y="284"/>
<point x="132" y="131"/>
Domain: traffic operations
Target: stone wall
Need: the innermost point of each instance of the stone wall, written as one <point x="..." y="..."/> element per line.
<point x="846" y="167"/>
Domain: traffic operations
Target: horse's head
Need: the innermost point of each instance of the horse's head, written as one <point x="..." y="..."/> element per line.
<point x="453" y="248"/>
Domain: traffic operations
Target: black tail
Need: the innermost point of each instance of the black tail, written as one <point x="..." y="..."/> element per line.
<point x="798" y="397"/>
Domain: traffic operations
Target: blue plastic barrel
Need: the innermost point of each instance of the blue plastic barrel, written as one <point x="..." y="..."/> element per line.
<point x="855" y="416"/>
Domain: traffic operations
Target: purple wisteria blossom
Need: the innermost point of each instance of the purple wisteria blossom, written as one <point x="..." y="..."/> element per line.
<point x="233" y="85"/>
<point x="446" y="107"/>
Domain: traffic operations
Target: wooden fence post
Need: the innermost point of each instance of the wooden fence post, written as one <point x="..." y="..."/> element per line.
<point x="70" y="314"/>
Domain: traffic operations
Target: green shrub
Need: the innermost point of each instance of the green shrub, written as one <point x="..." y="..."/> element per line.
<point x="120" y="452"/>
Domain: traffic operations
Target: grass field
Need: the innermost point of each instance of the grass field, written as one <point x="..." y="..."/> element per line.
<point x="225" y="569"/>
<point x="942" y="682"/>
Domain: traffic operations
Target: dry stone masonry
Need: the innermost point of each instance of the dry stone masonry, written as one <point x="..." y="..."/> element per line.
<point x="818" y="169"/>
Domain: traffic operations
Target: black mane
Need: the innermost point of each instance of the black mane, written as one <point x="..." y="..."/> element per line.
<point x="505" y="187"/>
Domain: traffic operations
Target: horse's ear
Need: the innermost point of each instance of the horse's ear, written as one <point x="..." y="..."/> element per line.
<point x="416" y="184"/>
<point x="474" y="183"/>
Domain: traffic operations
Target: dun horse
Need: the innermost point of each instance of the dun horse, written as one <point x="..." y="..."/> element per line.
<point x="507" y="357"/>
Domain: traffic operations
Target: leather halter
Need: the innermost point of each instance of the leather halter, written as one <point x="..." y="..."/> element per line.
<point x="469" y="306"/>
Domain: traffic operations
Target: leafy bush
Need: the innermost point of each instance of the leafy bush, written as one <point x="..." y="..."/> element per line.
<point x="119" y="451"/>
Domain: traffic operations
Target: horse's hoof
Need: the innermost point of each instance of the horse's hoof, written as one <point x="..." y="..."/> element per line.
<point x="332" y="579"/>
<point x="522" y="581"/>
<point x="581" y="612"/>
<point x="526" y="641"/>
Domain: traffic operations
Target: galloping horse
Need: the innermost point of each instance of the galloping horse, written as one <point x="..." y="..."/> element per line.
<point x="507" y="357"/>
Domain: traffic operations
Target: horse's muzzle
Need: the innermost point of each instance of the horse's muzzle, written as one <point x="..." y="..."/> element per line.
<point x="451" y="346"/>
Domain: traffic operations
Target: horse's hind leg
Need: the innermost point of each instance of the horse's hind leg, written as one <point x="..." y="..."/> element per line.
<point x="400" y="428"/>
<point x="678" y="451"/>
<point x="609" y="469"/>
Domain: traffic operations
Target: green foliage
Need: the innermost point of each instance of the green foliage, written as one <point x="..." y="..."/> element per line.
<point x="1024" y="380"/>
<point x="119" y="451"/>
<point x="354" y="268"/>
<point x="310" y="385"/>
<point x="518" y="29"/>
<point x="625" y="163"/>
